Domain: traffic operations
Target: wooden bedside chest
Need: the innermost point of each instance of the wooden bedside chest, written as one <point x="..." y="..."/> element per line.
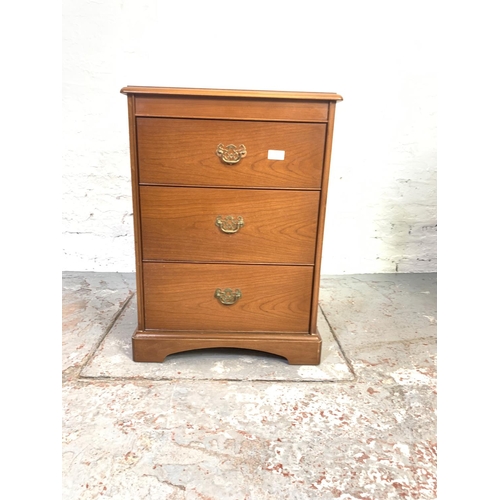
<point x="229" y="194"/>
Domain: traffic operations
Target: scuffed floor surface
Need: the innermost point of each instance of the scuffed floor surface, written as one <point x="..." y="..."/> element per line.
<point x="364" y="429"/>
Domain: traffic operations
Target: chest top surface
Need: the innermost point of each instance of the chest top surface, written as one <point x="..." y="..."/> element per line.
<point x="266" y="94"/>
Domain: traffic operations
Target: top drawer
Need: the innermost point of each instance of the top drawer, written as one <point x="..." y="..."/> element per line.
<point x="184" y="152"/>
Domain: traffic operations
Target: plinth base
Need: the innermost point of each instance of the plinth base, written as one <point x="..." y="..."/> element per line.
<point x="297" y="348"/>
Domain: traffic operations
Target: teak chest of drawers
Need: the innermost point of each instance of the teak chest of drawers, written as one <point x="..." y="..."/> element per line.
<point x="229" y="195"/>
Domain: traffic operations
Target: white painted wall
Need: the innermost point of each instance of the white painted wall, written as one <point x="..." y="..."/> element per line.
<point x="380" y="56"/>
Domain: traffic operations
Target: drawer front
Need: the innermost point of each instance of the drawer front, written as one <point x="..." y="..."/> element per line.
<point x="183" y="297"/>
<point x="183" y="152"/>
<point x="228" y="225"/>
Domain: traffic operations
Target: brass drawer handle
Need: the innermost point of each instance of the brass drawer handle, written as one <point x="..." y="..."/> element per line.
<point x="229" y="224"/>
<point x="231" y="154"/>
<point x="227" y="296"/>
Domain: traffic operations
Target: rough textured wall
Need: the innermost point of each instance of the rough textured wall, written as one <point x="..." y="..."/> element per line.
<point x="381" y="214"/>
<point x="382" y="201"/>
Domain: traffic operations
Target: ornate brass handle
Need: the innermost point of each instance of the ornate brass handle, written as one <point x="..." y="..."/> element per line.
<point x="227" y="296"/>
<point x="229" y="224"/>
<point x="231" y="154"/>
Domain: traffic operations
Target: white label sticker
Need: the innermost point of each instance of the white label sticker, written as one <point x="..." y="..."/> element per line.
<point x="274" y="154"/>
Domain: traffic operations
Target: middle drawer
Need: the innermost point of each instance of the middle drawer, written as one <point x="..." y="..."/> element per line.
<point x="228" y="225"/>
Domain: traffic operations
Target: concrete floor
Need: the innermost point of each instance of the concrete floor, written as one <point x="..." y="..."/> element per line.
<point x="224" y="424"/>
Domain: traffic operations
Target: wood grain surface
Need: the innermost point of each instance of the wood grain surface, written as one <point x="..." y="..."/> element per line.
<point x="179" y="224"/>
<point x="181" y="297"/>
<point x="297" y="348"/>
<point x="231" y="108"/>
<point x="183" y="152"/>
<point x="252" y="94"/>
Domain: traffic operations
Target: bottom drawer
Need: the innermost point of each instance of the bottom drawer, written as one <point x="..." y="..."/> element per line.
<point x="262" y="298"/>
